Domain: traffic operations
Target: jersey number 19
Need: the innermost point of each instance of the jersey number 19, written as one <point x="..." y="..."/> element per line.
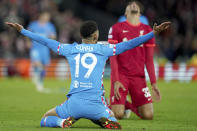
<point x="82" y="59"/>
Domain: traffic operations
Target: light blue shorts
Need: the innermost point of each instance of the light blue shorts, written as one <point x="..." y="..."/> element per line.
<point x="40" y="56"/>
<point x="82" y="108"/>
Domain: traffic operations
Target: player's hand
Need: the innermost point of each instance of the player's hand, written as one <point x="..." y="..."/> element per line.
<point x="155" y="93"/>
<point x="17" y="26"/>
<point x="159" y="28"/>
<point x="117" y="86"/>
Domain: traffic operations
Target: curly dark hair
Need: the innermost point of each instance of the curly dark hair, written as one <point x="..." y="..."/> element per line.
<point x="88" y="28"/>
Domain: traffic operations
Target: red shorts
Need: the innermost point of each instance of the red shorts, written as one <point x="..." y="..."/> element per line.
<point x="136" y="87"/>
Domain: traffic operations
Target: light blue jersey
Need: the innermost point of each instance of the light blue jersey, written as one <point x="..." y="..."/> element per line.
<point x="87" y="62"/>
<point x="86" y="96"/>
<point x="38" y="51"/>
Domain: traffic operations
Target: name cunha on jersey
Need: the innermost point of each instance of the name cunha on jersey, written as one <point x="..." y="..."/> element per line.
<point x="84" y="48"/>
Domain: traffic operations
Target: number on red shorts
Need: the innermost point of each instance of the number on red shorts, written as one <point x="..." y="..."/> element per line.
<point x="146" y="92"/>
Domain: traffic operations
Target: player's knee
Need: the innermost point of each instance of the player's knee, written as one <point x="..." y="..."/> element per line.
<point x="147" y="116"/>
<point x="119" y="114"/>
<point x="45" y="115"/>
<point x="118" y="111"/>
<point x="51" y="112"/>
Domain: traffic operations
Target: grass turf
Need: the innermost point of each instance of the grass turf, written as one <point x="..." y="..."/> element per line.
<point x="21" y="107"/>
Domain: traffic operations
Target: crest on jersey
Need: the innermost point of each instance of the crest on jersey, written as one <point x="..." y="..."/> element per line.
<point x="76" y="84"/>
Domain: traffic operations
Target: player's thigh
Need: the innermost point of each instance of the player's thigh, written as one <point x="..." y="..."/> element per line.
<point x="35" y="57"/>
<point x="63" y="110"/>
<point x="93" y="109"/>
<point x="45" y="58"/>
<point x="140" y="94"/>
<point x="51" y="112"/>
<point x="146" y="111"/>
<point x="123" y="93"/>
<point x="102" y="111"/>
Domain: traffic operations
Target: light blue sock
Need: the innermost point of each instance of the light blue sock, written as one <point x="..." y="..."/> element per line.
<point x="51" y="121"/>
<point x="37" y="70"/>
<point x="42" y="74"/>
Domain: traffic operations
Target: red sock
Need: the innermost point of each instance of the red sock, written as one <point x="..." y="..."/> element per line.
<point x="134" y="109"/>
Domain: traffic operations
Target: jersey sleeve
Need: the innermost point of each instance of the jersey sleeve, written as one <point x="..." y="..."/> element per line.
<point x="61" y="49"/>
<point x="127" y="45"/>
<point x="113" y="35"/>
<point x="151" y="42"/>
<point x="113" y="39"/>
<point x="64" y="49"/>
<point x="116" y="49"/>
<point x="109" y="49"/>
<point x="149" y="52"/>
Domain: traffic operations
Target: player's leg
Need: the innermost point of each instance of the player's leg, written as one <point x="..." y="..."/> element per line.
<point x="107" y="123"/>
<point x="37" y="69"/>
<point x="106" y="118"/>
<point x="118" y="106"/>
<point x="130" y="106"/>
<point x="118" y="110"/>
<point x="45" y="61"/>
<point x="57" y="117"/>
<point x="141" y="98"/>
<point x="146" y="111"/>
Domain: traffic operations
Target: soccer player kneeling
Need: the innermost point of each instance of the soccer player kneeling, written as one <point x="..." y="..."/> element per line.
<point x="87" y="61"/>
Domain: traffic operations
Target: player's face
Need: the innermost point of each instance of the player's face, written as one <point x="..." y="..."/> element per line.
<point x="45" y="17"/>
<point x="132" y="8"/>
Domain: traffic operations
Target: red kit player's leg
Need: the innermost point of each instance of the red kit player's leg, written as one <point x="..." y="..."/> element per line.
<point x="141" y="98"/>
<point x="129" y="105"/>
<point x="118" y="106"/>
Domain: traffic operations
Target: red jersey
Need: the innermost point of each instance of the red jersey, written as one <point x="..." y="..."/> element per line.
<point x="131" y="62"/>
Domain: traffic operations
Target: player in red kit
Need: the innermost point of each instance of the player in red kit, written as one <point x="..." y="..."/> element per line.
<point x="127" y="69"/>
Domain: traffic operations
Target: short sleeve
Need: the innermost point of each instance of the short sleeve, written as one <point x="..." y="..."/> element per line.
<point x="64" y="49"/>
<point x="151" y="42"/>
<point x="109" y="49"/>
<point x="113" y="35"/>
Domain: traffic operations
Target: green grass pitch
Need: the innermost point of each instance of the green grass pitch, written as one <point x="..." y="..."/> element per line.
<point x="21" y="107"/>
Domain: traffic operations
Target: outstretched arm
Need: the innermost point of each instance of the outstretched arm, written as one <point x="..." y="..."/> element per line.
<point x="124" y="46"/>
<point x="53" y="44"/>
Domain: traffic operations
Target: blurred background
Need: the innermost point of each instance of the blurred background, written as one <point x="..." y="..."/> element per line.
<point x="175" y="54"/>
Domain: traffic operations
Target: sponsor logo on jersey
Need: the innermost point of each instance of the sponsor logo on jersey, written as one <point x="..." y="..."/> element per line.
<point x="86" y="85"/>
